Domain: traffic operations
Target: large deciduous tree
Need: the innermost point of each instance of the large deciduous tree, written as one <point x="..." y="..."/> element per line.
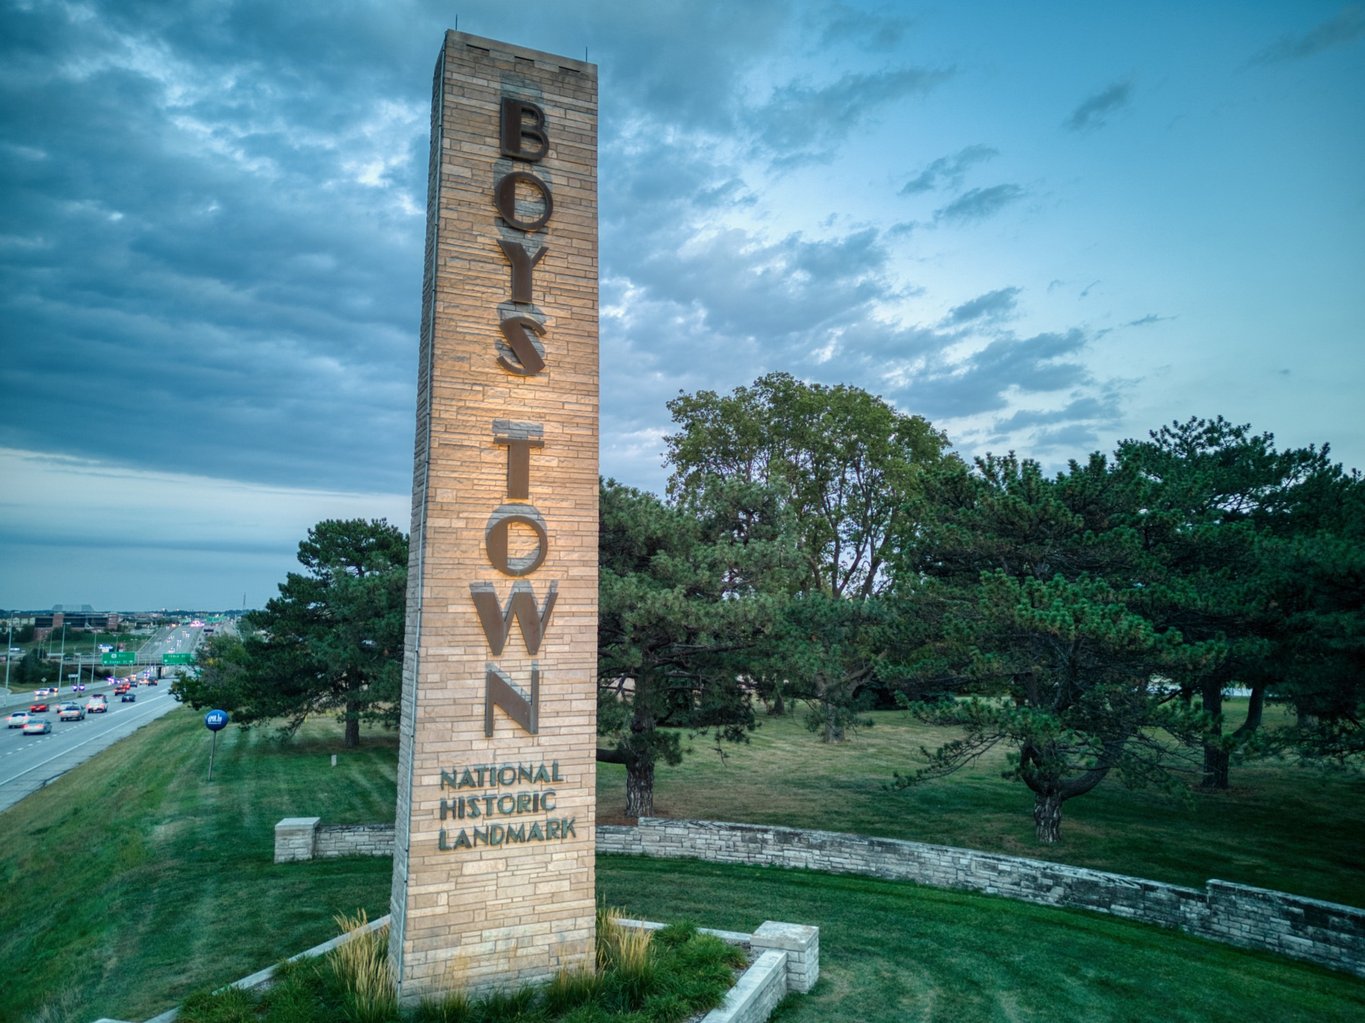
<point x="330" y="643"/>
<point x="842" y="460"/>
<point x="843" y="464"/>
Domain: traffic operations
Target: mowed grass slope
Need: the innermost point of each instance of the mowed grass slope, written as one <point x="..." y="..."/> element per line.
<point x="893" y="952"/>
<point x="1283" y="827"/>
<point x="133" y="881"/>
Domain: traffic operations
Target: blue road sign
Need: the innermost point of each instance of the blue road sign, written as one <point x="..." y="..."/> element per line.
<point x="215" y="720"/>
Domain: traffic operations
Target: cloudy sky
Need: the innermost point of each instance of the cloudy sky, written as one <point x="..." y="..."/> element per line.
<point x="1044" y="227"/>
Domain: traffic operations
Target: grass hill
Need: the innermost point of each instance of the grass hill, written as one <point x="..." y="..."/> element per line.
<point x="133" y="881"/>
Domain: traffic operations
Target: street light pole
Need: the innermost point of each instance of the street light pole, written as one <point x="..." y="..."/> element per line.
<point x="9" y="645"/>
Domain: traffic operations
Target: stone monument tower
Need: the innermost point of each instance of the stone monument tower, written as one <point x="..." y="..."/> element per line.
<point x="493" y="861"/>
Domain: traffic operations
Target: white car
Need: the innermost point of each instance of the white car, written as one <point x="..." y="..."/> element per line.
<point x="17" y="720"/>
<point x="70" y="712"/>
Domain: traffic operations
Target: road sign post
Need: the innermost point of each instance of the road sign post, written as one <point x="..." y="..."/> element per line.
<point x="215" y="721"/>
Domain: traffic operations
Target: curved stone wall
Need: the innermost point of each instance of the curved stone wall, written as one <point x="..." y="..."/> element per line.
<point x="1322" y="932"/>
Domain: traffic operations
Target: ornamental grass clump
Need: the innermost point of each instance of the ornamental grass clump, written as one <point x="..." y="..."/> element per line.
<point x="571" y="988"/>
<point x="362" y="964"/>
<point x="623" y="955"/>
<point x="671" y="979"/>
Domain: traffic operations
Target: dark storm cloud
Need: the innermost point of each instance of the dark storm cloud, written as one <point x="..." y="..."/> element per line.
<point x="948" y="171"/>
<point x="1068" y="440"/>
<point x="978" y="204"/>
<point x="983" y="382"/>
<point x="189" y="293"/>
<point x="803" y="124"/>
<point x="660" y="183"/>
<point x="874" y="29"/>
<point x="213" y="223"/>
<point x="1094" y="112"/>
<point x="1095" y="410"/>
<point x="676" y="64"/>
<point x="744" y="287"/>
<point x="993" y="305"/>
<point x="214" y="218"/>
<point x="1344" y="28"/>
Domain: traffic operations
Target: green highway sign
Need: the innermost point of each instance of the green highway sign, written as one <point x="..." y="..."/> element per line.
<point x="177" y="658"/>
<point x="119" y="657"/>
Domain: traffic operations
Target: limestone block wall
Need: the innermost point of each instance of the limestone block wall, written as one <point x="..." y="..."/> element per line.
<point x="1327" y="933"/>
<point x="295" y="838"/>
<point x="334" y="840"/>
<point x="1322" y="932"/>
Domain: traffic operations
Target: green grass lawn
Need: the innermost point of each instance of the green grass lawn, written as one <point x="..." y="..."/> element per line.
<point x="132" y="881"/>
<point x="897" y="952"/>
<point x="1282" y="827"/>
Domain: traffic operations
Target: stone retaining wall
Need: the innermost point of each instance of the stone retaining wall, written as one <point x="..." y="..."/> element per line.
<point x="353" y="840"/>
<point x="307" y="838"/>
<point x="1322" y="932"/>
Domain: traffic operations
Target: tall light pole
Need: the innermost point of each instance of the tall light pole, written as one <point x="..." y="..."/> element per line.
<point x="9" y="646"/>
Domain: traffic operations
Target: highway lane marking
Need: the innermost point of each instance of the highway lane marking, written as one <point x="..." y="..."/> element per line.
<point x="57" y="756"/>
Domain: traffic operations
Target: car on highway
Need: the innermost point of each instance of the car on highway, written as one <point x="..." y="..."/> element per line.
<point x="129" y="697"/>
<point x="96" y="705"/>
<point x="46" y="691"/>
<point x="38" y="726"/>
<point x="70" y="712"/>
<point x="17" y="720"/>
<point x="37" y="708"/>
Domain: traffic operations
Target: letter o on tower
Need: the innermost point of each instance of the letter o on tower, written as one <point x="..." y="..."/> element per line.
<point x="505" y="199"/>
<point x="495" y="538"/>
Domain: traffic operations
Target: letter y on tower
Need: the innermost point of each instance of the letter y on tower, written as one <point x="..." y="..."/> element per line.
<point x="501" y="655"/>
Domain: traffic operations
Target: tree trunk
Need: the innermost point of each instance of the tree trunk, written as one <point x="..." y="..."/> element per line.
<point x="834" y="725"/>
<point x="1255" y="711"/>
<point x="640" y="788"/>
<point x="1215" y="756"/>
<point x="352" y="725"/>
<point x="778" y="707"/>
<point x="1047" y="817"/>
<point x="1216" y="768"/>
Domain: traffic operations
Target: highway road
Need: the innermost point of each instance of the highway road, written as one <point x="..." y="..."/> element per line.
<point x="28" y="762"/>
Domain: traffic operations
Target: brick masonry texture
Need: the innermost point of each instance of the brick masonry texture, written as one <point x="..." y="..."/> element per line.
<point x="501" y="912"/>
<point x="1327" y="933"/>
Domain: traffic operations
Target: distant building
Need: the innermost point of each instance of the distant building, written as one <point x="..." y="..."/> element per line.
<point x="84" y="618"/>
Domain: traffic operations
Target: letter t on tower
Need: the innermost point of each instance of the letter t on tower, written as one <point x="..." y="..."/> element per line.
<point x="500" y="661"/>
